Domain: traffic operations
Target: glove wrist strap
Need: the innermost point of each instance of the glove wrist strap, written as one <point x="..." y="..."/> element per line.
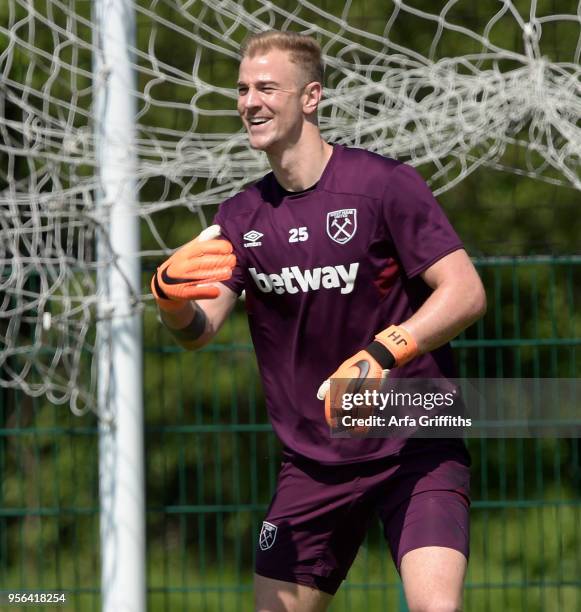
<point x="399" y="343"/>
<point x="382" y="355"/>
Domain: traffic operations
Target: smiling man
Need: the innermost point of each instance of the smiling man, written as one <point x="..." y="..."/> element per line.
<point x="349" y="265"/>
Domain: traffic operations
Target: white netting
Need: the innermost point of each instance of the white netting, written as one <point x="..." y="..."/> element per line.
<point x="449" y="89"/>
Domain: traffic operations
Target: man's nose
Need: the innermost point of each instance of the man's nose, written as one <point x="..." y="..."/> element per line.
<point x="251" y="99"/>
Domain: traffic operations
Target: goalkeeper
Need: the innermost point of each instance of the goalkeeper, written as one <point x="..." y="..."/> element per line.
<point x="349" y="265"/>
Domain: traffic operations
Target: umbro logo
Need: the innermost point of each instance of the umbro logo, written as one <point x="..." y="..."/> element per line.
<point x="252" y="238"/>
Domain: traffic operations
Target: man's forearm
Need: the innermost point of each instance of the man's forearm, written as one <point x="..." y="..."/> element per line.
<point x="444" y="315"/>
<point x="197" y="322"/>
<point x="189" y="326"/>
<point x="457" y="300"/>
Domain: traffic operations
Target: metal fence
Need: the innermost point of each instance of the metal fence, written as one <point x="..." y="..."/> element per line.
<point x="212" y="462"/>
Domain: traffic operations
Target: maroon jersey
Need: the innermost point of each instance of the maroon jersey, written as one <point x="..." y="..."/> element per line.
<point x="326" y="269"/>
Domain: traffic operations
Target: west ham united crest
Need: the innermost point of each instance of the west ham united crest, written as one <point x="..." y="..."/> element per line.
<point x="342" y="224"/>
<point x="267" y="535"/>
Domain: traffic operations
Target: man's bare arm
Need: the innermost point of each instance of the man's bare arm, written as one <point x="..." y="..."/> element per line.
<point x="199" y="321"/>
<point x="458" y="300"/>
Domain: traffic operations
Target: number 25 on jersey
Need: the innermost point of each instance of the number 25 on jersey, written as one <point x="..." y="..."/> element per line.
<point x="298" y="234"/>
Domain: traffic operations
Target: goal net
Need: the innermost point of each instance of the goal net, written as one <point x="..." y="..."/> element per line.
<point x="446" y="86"/>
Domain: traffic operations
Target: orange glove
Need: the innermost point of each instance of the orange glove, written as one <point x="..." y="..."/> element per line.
<point x="354" y="375"/>
<point x="186" y="274"/>
<point x="366" y="370"/>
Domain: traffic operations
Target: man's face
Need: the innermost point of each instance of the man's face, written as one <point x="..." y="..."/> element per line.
<point x="270" y="100"/>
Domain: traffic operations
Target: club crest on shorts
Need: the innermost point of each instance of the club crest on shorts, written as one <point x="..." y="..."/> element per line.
<point x="267" y="535"/>
<point x="342" y="225"/>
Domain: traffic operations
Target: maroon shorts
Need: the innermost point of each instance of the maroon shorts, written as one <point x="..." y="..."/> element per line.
<point x="320" y="514"/>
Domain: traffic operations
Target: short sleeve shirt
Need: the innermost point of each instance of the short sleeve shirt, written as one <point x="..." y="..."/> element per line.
<point x="325" y="270"/>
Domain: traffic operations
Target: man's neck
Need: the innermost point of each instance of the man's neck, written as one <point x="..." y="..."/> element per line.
<point x="301" y="166"/>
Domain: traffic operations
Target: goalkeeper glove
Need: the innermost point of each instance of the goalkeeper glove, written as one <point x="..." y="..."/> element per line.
<point x="186" y="274"/>
<point x="393" y="346"/>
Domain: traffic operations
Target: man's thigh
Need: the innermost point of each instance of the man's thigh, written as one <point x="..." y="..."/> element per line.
<point x="313" y="528"/>
<point x="279" y="596"/>
<point x="426" y="523"/>
<point x="429" y="519"/>
<point x="433" y="579"/>
<point x="427" y="502"/>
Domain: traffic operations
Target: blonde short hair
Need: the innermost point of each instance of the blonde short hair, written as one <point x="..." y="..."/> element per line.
<point x="303" y="50"/>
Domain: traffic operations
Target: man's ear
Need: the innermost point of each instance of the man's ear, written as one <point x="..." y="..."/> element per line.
<point x="313" y="93"/>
